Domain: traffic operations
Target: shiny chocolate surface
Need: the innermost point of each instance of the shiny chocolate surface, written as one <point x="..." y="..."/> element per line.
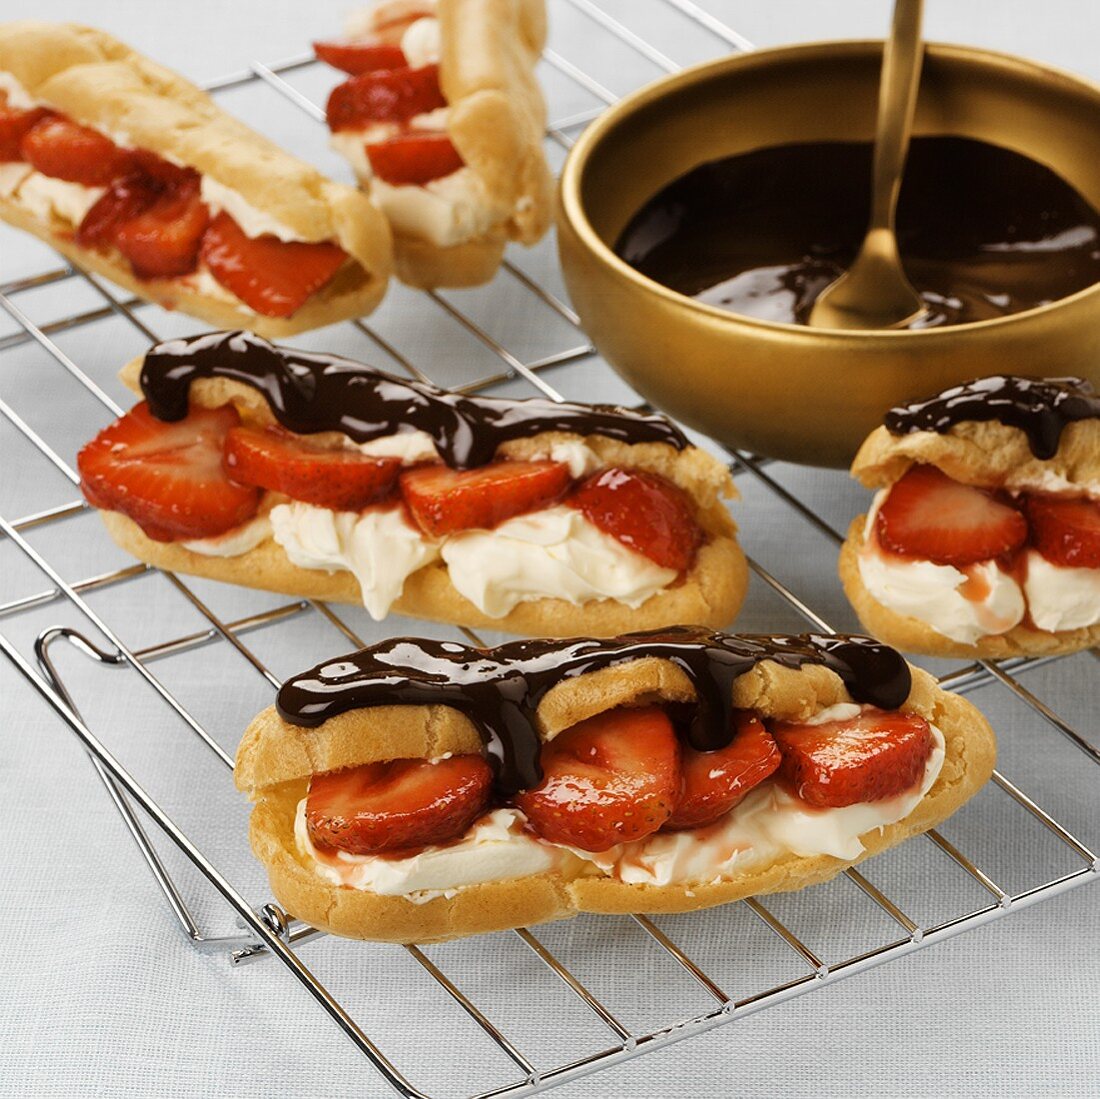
<point x="310" y="392"/>
<point x="499" y="689"/>
<point x="983" y="231"/>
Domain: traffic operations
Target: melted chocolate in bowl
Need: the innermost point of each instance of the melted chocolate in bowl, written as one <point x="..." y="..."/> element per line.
<point x="983" y="232"/>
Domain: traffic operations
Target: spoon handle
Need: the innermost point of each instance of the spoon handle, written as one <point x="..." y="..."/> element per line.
<point x="897" y="103"/>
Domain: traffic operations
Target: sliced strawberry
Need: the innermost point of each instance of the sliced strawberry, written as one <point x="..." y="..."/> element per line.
<point x="14" y="126"/>
<point x="1065" y="530"/>
<point x="125" y="198"/>
<point x="398" y="804"/>
<point x="168" y="176"/>
<point x="342" y="479"/>
<point x="714" y="782"/>
<point x="58" y="147"/>
<point x="391" y="95"/>
<point x="163" y="241"/>
<point x="167" y="477"/>
<point x="928" y="515"/>
<point x="445" y="501"/>
<point x="610" y="779"/>
<point x="364" y="56"/>
<point x="644" y="511"/>
<point x="414" y="158"/>
<point x="877" y="755"/>
<point x="272" y="276"/>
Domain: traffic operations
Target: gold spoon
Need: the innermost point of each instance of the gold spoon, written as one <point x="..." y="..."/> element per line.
<point x="874" y="292"/>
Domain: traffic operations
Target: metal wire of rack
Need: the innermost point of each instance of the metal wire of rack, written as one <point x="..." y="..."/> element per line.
<point x="266" y="930"/>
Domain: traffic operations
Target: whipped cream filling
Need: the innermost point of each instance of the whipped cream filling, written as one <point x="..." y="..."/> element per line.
<point x="983" y="600"/>
<point x="553" y="552"/>
<point x="767" y="824"/>
<point x="12" y="174"/>
<point x="412" y="447"/>
<point x="1050" y="482"/>
<point x="1061" y="597"/>
<point x="18" y="97"/>
<point x="378" y="545"/>
<point x="234" y="542"/>
<point x="48" y="198"/>
<point x="445" y="211"/>
<point x="496" y="848"/>
<point x="253" y="222"/>
<point x="964" y="606"/>
<point x="420" y="43"/>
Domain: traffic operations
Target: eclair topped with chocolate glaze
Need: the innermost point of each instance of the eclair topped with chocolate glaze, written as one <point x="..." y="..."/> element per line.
<point x="310" y="393"/>
<point x="499" y="689"/>
<point x="1041" y="408"/>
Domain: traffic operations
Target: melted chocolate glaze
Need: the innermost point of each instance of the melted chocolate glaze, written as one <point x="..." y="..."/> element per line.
<point x="500" y="689"/>
<point x="1040" y="407"/>
<point x="316" y="392"/>
<point x="983" y="231"/>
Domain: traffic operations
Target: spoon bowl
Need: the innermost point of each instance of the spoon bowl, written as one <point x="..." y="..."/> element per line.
<point x="872" y="293"/>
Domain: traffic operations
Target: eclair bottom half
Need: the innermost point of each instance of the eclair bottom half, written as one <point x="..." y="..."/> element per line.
<point x="273" y="749"/>
<point x="709" y="594"/>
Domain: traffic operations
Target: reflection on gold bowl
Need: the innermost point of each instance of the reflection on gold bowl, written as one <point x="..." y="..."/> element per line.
<point x="796" y="393"/>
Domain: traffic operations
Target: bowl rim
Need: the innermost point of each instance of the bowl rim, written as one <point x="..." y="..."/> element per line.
<point x="573" y="213"/>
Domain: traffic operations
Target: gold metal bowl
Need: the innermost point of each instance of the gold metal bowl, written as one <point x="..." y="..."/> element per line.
<point x="796" y="393"/>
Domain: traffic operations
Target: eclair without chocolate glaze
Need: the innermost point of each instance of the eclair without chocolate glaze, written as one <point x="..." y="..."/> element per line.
<point x="502" y="874"/>
<point x="95" y="81"/>
<point x="452" y="230"/>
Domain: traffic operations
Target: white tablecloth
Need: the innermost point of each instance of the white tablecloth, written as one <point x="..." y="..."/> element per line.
<point x="103" y="997"/>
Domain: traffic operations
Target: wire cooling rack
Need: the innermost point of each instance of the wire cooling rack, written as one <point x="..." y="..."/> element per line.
<point x="877" y="922"/>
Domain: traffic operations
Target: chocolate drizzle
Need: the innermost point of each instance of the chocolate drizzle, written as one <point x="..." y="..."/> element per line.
<point x="500" y="689"/>
<point x="310" y="392"/>
<point x="1040" y="407"/>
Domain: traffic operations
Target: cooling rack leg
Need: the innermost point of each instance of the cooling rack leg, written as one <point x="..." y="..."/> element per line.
<point x="127" y="784"/>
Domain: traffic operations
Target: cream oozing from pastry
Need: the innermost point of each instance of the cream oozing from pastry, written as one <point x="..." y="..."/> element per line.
<point x="379" y="546"/>
<point x="420" y="43"/>
<point x="983" y="600"/>
<point x="496" y="848"/>
<point x="552" y="553"/>
<point x="767" y="824"/>
<point x="1061" y="597"/>
<point x="48" y="198"/>
<point x="252" y="221"/>
<point x="12" y="174"/>
<point x="963" y="605"/>
<point x="18" y="97"/>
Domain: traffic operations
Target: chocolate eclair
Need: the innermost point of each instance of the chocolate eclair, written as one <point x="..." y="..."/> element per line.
<point x="421" y="790"/>
<point x="984" y="536"/>
<point x="320" y="477"/>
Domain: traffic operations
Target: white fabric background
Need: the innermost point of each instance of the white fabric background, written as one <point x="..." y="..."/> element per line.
<point x="101" y="996"/>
